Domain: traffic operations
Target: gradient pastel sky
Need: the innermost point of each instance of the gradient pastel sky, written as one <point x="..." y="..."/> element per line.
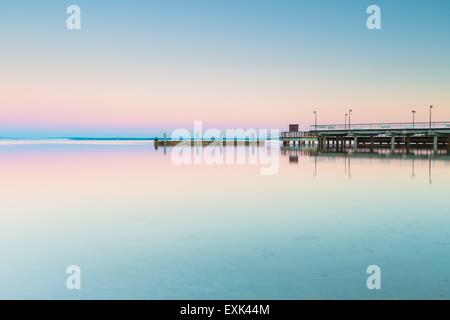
<point x="138" y="68"/>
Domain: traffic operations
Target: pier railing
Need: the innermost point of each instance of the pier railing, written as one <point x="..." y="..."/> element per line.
<point x="381" y="126"/>
<point x="297" y="134"/>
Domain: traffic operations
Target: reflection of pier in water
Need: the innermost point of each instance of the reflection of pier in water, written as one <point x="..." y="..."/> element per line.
<point x="421" y="154"/>
<point x="247" y="146"/>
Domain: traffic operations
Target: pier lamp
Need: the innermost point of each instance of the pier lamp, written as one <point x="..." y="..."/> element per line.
<point x="431" y="108"/>
<point x="414" y="118"/>
<point x="315" y="120"/>
<point x="346" y="115"/>
<point x="349" y="118"/>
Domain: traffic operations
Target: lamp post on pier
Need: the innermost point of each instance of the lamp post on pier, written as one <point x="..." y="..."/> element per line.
<point x="431" y="108"/>
<point x="349" y="118"/>
<point x="346" y="115"/>
<point x="315" y="121"/>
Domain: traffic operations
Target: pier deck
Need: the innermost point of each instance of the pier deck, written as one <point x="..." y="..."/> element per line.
<point x="204" y="143"/>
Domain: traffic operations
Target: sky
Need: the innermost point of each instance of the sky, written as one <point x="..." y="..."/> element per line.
<point x="140" y="68"/>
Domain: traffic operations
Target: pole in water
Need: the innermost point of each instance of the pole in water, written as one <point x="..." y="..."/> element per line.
<point x="165" y="143"/>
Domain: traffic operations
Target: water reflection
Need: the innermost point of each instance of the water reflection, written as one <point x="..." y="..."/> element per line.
<point x="348" y="153"/>
<point x="412" y="155"/>
<point x="145" y="228"/>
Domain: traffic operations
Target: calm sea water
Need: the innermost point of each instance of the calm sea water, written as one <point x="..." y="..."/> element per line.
<point x="140" y="226"/>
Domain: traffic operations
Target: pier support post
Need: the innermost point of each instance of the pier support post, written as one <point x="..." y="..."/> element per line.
<point x="393" y="143"/>
<point x="355" y="141"/>
<point x="435" y="144"/>
<point x="408" y="143"/>
<point x="372" y="143"/>
<point x="448" y="145"/>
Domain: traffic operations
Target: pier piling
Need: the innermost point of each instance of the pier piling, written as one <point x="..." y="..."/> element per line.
<point x="448" y="145"/>
<point x="435" y="143"/>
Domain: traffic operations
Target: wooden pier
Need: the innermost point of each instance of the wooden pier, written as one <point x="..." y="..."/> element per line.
<point x="203" y="143"/>
<point x="435" y="135"/>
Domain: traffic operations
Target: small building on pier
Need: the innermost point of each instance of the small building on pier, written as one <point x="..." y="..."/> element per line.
<point x="296" y="137"/>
